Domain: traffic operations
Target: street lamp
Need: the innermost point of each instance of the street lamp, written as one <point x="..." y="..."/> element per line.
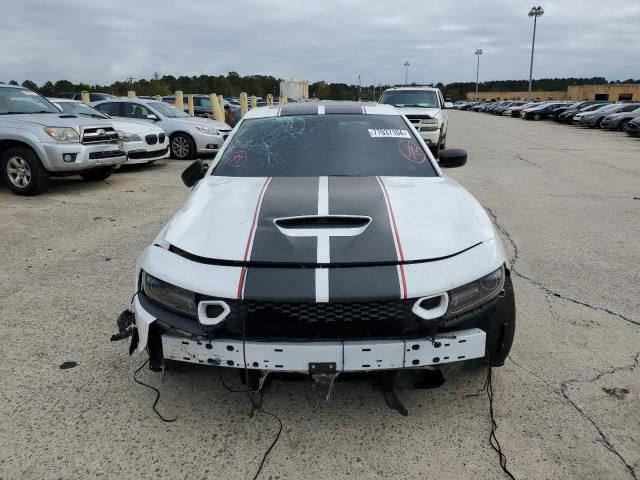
<point x="478" y="53"/>
<point x="406" y="73"/>
<point x="535" y="12"/>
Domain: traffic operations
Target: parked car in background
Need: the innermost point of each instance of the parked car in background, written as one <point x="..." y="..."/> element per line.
<point x="515" y="110"/>
<point x="502" y="110"/>
<point x="141" y="141"/>
<point x="188" y="136"/>
<point x="93" y="97"/>
<point x="593" y="119"/>
<point x="426" y="110"/>
<point x="588" y="111"/>
<point x="540" y="112"/>
<point x="633" y="127"/>
<point x="479" y="107"/>
<point x="38" y="141"/>
<point x="619" y="121"/>
<point x="567" y="115"/>
<point x="571" y="107"/>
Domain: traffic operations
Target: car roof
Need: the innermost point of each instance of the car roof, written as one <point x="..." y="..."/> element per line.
<point x="6" y="85"/>
<point x="127" y="99"/>
<point x="324" y="107"/>
<point x="417" y="87"/>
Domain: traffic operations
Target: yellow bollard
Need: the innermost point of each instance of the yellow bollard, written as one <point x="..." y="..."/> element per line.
<point x="269" y="99"/>
<point x="84" y="96"/>
<point x="190" y="103"/>
<point x="282" y="100"/>
<point x="217" y="112"/>
<point x="131" y="94"/>
<point x="221" y="103"/>
<point x="179" y="103"/>
<point x="254" y="101"/>
<point x="244" y="108"/>
<point x="158" y="98"/>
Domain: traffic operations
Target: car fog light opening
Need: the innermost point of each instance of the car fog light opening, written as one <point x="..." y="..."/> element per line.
<point x="69" y="157"/>
<point x="431" y="307"/>
<point x="212" y="312"/>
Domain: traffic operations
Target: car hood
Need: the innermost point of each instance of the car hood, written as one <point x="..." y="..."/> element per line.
<point x="430" y="112"/>
<point x="202" y="121"/>
<point x="57" y="120"/>
<point x="338" y="220"/>
<point x="132" y="126"/>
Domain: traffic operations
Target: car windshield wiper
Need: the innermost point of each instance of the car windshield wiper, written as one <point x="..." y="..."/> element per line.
<point x="92" y="115"/>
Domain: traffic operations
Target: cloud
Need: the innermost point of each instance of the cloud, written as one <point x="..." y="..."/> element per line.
<point x="330" y="40"/>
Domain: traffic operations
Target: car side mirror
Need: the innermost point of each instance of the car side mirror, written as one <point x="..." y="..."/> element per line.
<point x="452" y="158"/>
<point x="448" y="105"/>
<point x="194" y="173"/>
<point x="153" y="117"/>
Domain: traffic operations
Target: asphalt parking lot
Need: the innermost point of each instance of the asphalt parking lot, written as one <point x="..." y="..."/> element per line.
<point x="567" y="201"/>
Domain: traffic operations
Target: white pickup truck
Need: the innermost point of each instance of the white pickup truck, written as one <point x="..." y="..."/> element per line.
<point x="38" y="141"/>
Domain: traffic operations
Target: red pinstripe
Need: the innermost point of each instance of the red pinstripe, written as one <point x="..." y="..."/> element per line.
<point x="397" y="236"/>
<point x="243" y="272"/>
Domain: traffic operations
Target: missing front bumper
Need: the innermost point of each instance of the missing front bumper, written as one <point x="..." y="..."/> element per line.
<point x="349" y="356"/>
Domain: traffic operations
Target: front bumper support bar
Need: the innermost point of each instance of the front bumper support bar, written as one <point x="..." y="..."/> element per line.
<point x="348" y="356"/>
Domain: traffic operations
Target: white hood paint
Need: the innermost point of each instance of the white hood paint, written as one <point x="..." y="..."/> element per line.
<point x="435" y="217"/>
<point x="431" y="112"/>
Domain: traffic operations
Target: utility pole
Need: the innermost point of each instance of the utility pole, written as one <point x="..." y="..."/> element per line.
<point x="406" y="73"/>
<point x="478" y="53"/>
<point x="359" y="89"/>
<point x="156" y="76"/>
<point x="535" y="12"/>
<point x="130" y="79"/>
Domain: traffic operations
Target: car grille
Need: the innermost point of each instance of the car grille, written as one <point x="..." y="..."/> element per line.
<point x="109" y="154"/>
<point x="321" y="320"/>
<point x="161" y="138"/>
<point x="151" y="139"/>
<point x="92" y="135"/>
<point x="140" y="154"/>
<point x="415" y="119"/>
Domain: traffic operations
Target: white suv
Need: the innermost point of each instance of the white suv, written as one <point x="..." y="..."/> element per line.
<point x="425" y="108"/>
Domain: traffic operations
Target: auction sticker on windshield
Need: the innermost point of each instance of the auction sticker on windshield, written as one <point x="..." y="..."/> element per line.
<point x="388" y="133"/>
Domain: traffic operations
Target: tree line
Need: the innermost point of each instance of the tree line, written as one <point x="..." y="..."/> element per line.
<point x="232" y="84"/>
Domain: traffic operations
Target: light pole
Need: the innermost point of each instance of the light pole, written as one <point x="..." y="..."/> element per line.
<point x="535" y="12"/>
<point x="478" y="53"/>
<point x="406" y="73"/>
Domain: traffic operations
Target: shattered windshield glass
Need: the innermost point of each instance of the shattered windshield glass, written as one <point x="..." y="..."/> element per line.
<point x="324" y="145"/>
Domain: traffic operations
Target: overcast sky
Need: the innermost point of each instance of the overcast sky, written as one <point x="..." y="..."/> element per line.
<point x="100" y="42"/>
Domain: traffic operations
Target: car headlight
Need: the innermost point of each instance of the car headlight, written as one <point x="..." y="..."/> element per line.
<point x="207" y="130"/>
<point x="62" y="134"/>
<point x="476" y="293"/>
<point x="128" y="137"/>
<point x="169" y="296"/>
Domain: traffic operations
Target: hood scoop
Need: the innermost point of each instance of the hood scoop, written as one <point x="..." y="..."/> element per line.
<point x="68" y="115"/>
<point x="320" y="225"/>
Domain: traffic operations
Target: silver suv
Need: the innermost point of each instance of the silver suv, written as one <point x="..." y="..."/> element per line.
<point x="425" y="108"/>
<point x="38" y="141"/>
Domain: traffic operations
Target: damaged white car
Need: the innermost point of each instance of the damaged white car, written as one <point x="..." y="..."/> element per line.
<point x="324" y="239"/>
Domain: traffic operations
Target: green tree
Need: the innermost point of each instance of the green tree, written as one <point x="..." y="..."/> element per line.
<point x="30" y="85"/>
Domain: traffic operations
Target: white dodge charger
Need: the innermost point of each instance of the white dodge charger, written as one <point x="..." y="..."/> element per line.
<point x="323" y="239"/>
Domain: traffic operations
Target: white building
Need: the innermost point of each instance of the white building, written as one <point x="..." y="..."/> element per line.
<point x="295" y="89"/>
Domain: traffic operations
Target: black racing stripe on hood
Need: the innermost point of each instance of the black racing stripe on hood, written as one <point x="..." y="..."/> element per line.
<point x="284" y="197"/>
<point x="362" y="196"/>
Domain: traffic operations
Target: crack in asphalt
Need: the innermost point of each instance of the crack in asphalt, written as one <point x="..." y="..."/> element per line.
<point x="563" y="385"/>
<point x="522" y="159"/>
<point x="605" y="439"/>
<point x="562" y="392"/>
<point x="540" y="285"/>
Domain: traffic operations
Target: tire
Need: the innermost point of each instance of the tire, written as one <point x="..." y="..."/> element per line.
<point x="537" y="117"/>
<point x="97" y="174"/>
<point x="435" y="151"/>
<point x="182" y="147"/>
<point x="623" y="125"/>
<point x="23" y="171"/>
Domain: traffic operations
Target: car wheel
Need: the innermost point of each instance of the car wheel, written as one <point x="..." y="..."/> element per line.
<point x="182" y="146"/>
<point x="623" y="125"/>
<point x="537" y="116"/>
<point x="435" y="151"/>
<point x="97" y="174"/>
<point x="23" y="171"/>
